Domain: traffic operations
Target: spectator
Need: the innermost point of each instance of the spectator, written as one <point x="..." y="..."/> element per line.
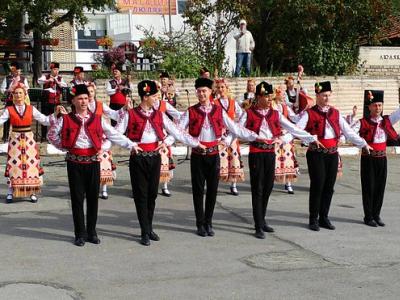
<point x="244" y="47"/>
<point x="351" y="118"/>
<point x="205" y="73"/>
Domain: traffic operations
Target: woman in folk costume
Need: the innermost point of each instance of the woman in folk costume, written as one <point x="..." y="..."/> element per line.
<point x="231" y="166"/>
<point x="107" y="167"/>
<point x="23" y="170"/>
<point x="166" y="104"/>
<point x="286" y="166"/>
<point x="249" y="97"/>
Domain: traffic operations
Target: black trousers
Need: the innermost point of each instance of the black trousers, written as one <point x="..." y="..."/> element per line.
<point x="204" y="169"/>
<point x="47" y="109"/>
<point x="262" y="174"/>
<point x="84" y="180"/>
<point x="6" y="125"/>
<point x="145" y="177"/>
<point x="115" y="106"/>
<point x="373" y="183"/>
<point x="322" y="169"/>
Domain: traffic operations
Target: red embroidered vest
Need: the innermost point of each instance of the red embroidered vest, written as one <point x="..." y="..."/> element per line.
<point x="254" y="121"/>
<point x="72" y="126"/>
<point x="368" y="129"/>
<point x="197" y="117"/>
<point x="317" y="121"/>
<point x="53" y="98"/>
<point x="118" y="97"/>
<point x="18" y="121"/>
<point x="231" y="107"/>
<point x="137" y="123"/>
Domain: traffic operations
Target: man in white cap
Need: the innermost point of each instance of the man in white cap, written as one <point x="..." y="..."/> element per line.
<point x="244" y="47"/>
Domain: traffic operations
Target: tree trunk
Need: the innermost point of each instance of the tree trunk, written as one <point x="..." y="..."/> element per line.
<point x="37" y="56"/>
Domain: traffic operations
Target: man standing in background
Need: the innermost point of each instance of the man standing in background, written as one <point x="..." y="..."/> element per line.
<point x="244" y="47"/>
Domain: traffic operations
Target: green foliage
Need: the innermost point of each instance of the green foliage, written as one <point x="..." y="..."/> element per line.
<point x="102" y="73"/>
<point x="211" y="22"/>
<point x="323" y="35"/>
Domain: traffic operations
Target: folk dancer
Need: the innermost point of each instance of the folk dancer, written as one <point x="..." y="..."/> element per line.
<point x="52" y="85"/>
<point x="23" y="170"/>
<point x="117" y="88"/>
<point x="325" y="122"/>
<point x="7" y="86"/>
<point x="168" y="106"/>
<point x="146" y="128"/>
<point x="286" y="165"/>
<point x="80" y="133"/>
<point x="376" y="130"/>
<point x="107" y="166"/>
<point x="268" y="123"/>
<point x="207" y="122"/>
<point x="231" y="165"/>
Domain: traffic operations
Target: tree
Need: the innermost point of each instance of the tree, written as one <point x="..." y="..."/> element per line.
<point x="323" y="35"/>
<point x="44" y="15"/>
<point x="212" y="22"/>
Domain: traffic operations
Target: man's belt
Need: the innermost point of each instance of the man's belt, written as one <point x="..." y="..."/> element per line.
<point x="262" y="145"/>
<point x="373" y="153"/>
<point x="146" y="153"/>
<point x="207" y="151"/>
<point x="21" y="129"/>
<point x="81" y="158"/>
<point x="315" y="148"/>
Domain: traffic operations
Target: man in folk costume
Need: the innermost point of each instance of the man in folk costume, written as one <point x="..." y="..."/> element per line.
<point x="52" y="91"/>
<point x="286" y="165"/>
<point x="79" y="77"/>
<point x="9" y="83"/>
<point x="325" y="122"/>
<point x="167" y="106"/>
<point x="376" y="130"/>
<point x="107" y="167"/>
<point x="207" y="122"/>
<point x="23" y="170"/>
<point x="268" y="124"/>
<point x="231" y="165"/>
<point x="117" y="88"/>
<point x="146" y="127"/>
<point x="80" y="133"/>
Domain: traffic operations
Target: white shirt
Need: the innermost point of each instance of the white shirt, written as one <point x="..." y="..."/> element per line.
<point x="207" y="132"/>
<point x="170" y="110"/>
<point x="380" y="134"/>
<point x="345" y="128"/>
<point x="112" y="114"/>
<point x="266" y="133"/>
<point x="4" y="89"/>
<point x="110" y="91"/>
<point x="42" y="80"/>
<point x="37" y="115"/>
<point x="238" y="109"/>
<point x="244" y="42"/>
<point x="150" y="135"/>
<point x="83" y="141"/>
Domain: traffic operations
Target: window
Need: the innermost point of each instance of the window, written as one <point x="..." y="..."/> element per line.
<point x="181" y="6"/>
<point x="87" y="38"/>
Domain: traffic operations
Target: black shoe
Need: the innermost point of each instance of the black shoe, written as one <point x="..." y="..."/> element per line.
<point x="80" y="242"/>
<point x="104" y="195"/>
<point x="34" y="198"/>
<point x="234" y="191"/>
<point x="267" y="228"/>
<point x="201" y="231"/>
<point x="379" y="221"/>
<point x="370" y="222"/>
<point x="153" y="236"/>
<point x="209" y="230"/>
<point x="325" y="223"/>
<point x="314" y="226"/>
<point x="9" y="198"/>
<point x="165" y="192"/>
<point x="145" y="240"/>
<point x="93" y="239"/>
<point x="259" y="234"/>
